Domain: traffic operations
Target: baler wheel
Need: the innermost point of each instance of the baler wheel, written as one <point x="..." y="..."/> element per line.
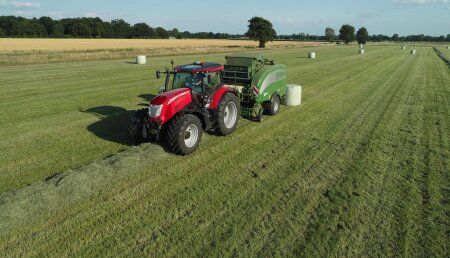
<point x="273" y="107"/>
<point x="184" y="134"/>
<point x="135" y="126"/>
<point x="228" y="114"/>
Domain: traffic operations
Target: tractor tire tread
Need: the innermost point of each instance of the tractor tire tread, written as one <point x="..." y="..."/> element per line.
<point x="175" y="133"/>
<point x="221" y="129"/>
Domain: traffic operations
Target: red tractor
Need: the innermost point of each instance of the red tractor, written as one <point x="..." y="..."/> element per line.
<point x="194" y="99"/>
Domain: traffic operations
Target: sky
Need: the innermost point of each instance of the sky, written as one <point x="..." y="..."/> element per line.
<point x="405" y="17"/>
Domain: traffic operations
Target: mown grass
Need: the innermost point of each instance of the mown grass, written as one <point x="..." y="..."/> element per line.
<point x="360" y="169"/>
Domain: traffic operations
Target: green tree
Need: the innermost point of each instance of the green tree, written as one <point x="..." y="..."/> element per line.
<point x="394" y="37"/>
<point x="142" y="30"/>
<point x="162" y="33"/>
<point x="2" y="33"/>
<point x="330" y="34"/>
<point x="57" y="30"/>
<point x="362" y="35"/>
<point x="98" y="28"/>
<point x="347" y="33"/>
<point x="302" y="36"/>
<point x="121" y="28"/>
<point x="174" y="33"/>
<point x="81" y="30"/>
<point x="261" y="30"/>
<point x="47" y="22"/>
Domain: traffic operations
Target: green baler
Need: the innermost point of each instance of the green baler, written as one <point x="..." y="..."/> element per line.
<point x="260" y="82"/>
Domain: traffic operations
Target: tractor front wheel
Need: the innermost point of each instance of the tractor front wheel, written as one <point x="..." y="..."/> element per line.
<point x="228" y="114"/>
<point x="184" y="134"/>
<point x="136" y="126"/>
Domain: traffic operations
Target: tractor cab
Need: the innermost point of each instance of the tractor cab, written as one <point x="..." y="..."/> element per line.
<point x="200" y="78"/>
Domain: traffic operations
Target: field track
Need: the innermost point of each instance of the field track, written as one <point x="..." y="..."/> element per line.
<point x="360" y="169"/>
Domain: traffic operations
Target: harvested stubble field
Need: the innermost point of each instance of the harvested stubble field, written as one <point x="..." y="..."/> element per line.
<point x="31" y="51"/>
<point x="360" y="169"/>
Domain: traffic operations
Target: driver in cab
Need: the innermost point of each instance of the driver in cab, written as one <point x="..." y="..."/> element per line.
<point x="194" y="82"/>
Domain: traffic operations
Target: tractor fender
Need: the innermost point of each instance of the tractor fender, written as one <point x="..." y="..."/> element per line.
<point x="202" y="115"/>
<point x="217" y="96"/>
<point x="270" y="97"/>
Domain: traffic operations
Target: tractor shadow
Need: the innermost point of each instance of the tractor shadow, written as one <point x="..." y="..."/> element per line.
<point x="113" y="121"/>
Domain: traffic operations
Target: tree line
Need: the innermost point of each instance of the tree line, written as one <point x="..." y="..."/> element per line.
<point x="46" y="27"/>
<point x="349" y="33"/>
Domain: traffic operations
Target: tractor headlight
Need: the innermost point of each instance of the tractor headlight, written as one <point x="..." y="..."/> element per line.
<point x="155" y="110"/>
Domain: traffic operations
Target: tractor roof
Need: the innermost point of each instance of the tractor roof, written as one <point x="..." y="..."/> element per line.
<point x="199" y="67"/>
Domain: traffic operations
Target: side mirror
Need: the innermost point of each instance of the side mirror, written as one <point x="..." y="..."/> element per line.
<point x="158" y="74"/>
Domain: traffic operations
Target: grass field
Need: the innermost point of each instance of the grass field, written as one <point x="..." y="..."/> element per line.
<point x="361" y="168"/>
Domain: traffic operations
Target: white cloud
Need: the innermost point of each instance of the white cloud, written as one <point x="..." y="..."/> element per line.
<point x="91" y="15"/>
<point x="290" y="21"/>
<point x="368" y="14"/>
<point x="58" y="14"/>
<point x="18" y="4"/>
<point x="422" y="2"/>
<point x="23" y="12"/>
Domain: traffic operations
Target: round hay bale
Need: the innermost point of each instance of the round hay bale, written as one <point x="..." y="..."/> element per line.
<point x="140" y="60"/>
<point x="361" y="46"/>
<point x="312" y="55"/>
<point x="413" y="51"/>
<point x="404" y="47"/>
<point x="293" y="95"/>
<point x="448" y="47"/>
<point x="361" y="51"/>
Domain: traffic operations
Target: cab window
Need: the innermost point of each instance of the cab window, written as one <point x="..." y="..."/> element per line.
<point x="214" y="83"/>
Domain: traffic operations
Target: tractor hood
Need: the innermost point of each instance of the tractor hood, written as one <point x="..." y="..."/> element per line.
<point x="169" y="103"/>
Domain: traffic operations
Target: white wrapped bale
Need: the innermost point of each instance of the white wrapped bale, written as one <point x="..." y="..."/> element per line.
<point x="413" y="52"/>
<point x="140" y="60"/>
<point x="403" y="48"/>
<point x="448" y="47"/>
<point x="293" y="95"/>
<point x="361" y="51"/>
<point x="312" y="55"/>
<point x="361" y="46"/>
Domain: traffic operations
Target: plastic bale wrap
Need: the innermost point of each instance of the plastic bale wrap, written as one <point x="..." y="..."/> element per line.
<point x="413" y="52"/>
<point x="293" y="95"/>
<point x="361" y="51"/>
<point x="312" y="55"/>
<point x="141" y="60"/>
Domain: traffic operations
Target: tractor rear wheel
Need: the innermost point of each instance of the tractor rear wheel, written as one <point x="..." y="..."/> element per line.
<point x="228" y="114"/>
<point x="273" y="107"/>
<point x="184" y="134"/>
<point x="136" y="125"/>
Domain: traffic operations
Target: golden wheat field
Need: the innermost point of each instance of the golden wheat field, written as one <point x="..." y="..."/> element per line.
<point x="91" y="44"/>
